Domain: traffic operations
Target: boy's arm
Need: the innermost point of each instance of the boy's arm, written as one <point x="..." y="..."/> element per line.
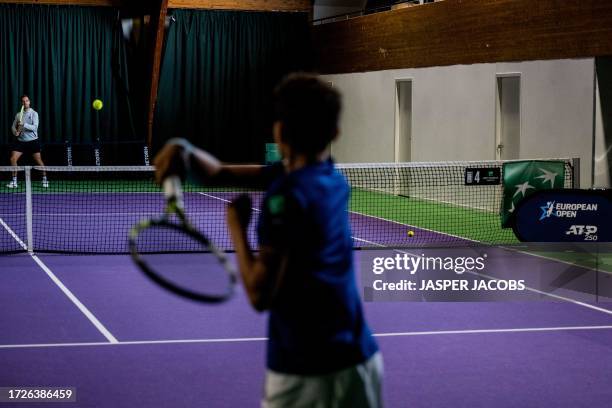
<point x="261" y="275"/>
<point x="202" y="164"/>
<point x="240" y="173"/>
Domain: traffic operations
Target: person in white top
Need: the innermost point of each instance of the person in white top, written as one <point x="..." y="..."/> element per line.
<point x="25" y="129"/>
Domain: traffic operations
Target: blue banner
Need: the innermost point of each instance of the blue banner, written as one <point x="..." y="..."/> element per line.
<point x="565" y="216"/>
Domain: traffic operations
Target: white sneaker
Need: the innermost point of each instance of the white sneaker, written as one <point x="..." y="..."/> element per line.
<point x="45" y="183"/>
<point x="12" y="184"/>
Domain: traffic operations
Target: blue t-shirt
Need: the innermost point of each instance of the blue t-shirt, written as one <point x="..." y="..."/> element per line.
<point x="316" y="323"/>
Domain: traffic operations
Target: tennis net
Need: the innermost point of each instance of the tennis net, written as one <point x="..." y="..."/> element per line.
<point x="91" y="209"/>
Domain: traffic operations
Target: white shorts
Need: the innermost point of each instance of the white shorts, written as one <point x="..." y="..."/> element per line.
<point x="358" y="386"/>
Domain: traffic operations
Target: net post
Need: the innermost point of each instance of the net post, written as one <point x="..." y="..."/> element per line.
<point x="28" y="181"/>
<point x="576" y="172"/>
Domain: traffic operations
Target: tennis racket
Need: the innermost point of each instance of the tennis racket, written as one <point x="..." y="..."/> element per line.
<point x="176" y="256"/>
<point x="20" y="127"/>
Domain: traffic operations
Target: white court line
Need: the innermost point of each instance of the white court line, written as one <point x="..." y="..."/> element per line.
<point x="12" y="234"/>
<point x="363" y="215"/>
<point x="481" y="331"/>
<point x="259" y="339"/>
<point x="220" y="199"/>
<point x="576" y="302"/>
<point x="107" y="334"/>
<point x="258" y="210"/>
<point x="93" y="319"/>
<point x="414" y="226"/>
<point x="370" y="242"/>
<point x="548" y="258"/>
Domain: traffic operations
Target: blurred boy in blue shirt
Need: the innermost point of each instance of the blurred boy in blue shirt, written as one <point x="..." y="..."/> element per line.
<point x="320" y="352"/>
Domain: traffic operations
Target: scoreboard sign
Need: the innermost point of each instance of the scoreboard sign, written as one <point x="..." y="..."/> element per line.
<point x="482" y="176"/>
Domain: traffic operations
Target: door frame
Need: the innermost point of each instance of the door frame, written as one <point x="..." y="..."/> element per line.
<point x="396" y="125"/>
<point x="498" y="135"/>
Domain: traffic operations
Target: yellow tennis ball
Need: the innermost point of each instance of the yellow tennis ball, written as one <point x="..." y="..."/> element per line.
<point x="410" y="233"/>
<point x="97" y="104"/>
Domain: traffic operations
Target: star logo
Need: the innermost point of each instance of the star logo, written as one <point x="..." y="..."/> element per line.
<point x="522" y="188"/>
<point x="547" y="210"/>
<point x="547" y="176"/>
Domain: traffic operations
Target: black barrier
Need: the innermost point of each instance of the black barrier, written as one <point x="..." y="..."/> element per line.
<point x="565" y="216"/>
<point x="84" y="154"/>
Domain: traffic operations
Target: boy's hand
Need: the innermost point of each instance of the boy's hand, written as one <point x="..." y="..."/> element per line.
<point x="178" y="156"/>
<point x="239" y="211"/>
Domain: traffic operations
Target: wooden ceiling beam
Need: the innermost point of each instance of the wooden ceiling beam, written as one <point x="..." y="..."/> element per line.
<point x="250" y="5"/>
<point x="159" y="27"/>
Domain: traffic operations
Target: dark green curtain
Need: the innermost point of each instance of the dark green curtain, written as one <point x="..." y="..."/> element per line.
<point x="64" y="57"/>
<point x="218" y="72"/>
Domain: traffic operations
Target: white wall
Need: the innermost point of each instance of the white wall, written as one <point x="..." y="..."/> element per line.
<point x="367" y="124"/>
<point x="602" y="174"/>
<point x="454" y="112"/>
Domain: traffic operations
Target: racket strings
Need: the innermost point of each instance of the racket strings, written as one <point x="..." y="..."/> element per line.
<point x="184" y="262"/>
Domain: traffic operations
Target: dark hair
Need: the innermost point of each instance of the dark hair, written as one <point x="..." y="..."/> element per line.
<point x="309" y="110"/>
<point x="24" y="96"/>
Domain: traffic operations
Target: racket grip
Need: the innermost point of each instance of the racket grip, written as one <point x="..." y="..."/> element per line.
<point x="173" y="190"/>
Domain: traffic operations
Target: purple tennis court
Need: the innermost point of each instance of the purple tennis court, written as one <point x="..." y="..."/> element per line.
<point x="468" y="143"/>
<point x="95" y="323"/>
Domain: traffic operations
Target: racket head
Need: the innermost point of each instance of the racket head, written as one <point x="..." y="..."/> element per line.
<point x="182" y="260"/>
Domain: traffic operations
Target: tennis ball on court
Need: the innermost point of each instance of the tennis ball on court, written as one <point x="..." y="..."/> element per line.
<point x="410" y="233"/>
<point x="97" y="104"/>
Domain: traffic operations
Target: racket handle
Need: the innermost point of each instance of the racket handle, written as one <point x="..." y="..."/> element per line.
<point x="173" y="190"/>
